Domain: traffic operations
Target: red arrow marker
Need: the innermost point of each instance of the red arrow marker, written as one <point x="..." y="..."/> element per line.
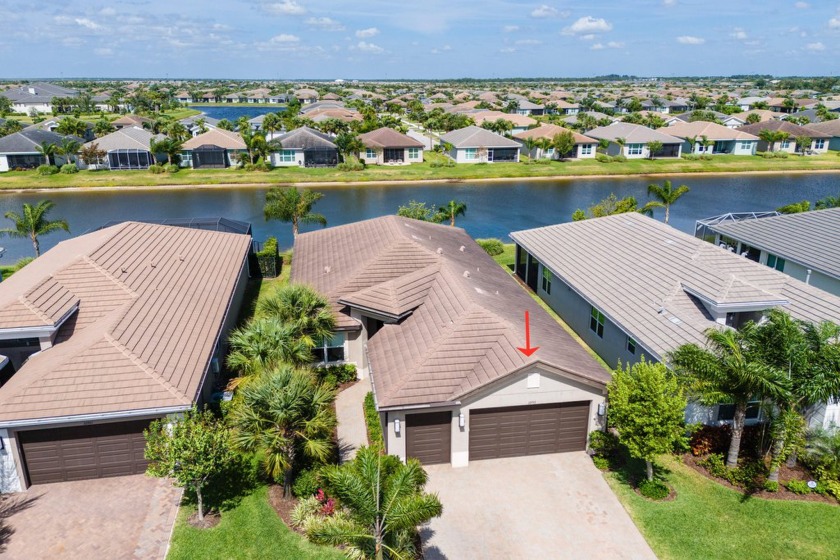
<point x="528" y="350"/>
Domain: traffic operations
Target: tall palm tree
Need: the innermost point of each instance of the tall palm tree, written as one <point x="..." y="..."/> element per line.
<point x="293" y="206"/>
<point x="283" y="417"/>
<point x="768" y="137"/>
<point x="453" y="209"/>
<point x="728" y="371"/>
<point x="271" y="123"/>
<point x="666" y="196"/>
<point x="385" y="502"/>
<point x="68" y="148"/>
<point x="33" y="222"/>
<point x="48" y="150"/>
<point x="264" y="343"/>
<point x="302" y="307"/>
<point x="530" y="144"/>
<point x="169" y="146"/>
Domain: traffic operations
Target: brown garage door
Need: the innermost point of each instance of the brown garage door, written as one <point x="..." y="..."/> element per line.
<point x="528" y="430"/>
<point x="428" y="437"/>
<point x="79" y="453"/>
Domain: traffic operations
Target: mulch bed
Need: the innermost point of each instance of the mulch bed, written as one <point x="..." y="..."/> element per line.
<point x="282" y="505"/>
<point x="210" y="520"/>
<point x="785" y="474"/>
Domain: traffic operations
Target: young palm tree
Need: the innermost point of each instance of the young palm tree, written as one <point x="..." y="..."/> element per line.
<point x="68" y="148"/>
<point x="302" y="307"/>
<point x="33" y="222"/>
<point x="823" y="448"/>
<point x="169" y="146"/>
<point x="530" y="144"/>
<point x="385" y="501"/>
<point x="271" y="123"/>
<point x="48" y="150"/>
<point x="728" y="371"/>
<point x="264" y="343"/>
<point x="768" y="137"/>
<point x="283" y="417"/>
<point x="453" y="209"/>
<point x="293" y="206"/>
<point x="666" y="196"/>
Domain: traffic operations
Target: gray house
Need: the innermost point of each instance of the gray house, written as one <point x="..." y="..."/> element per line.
<point x="21" y="149"/>
<point x="633" y="287"/>
<point x="304" y="147"/>
<point x="632" y="140"/>
<point x="127" y="148"/>
<point x="832" y="129"/>
<point x="474" y="144"/>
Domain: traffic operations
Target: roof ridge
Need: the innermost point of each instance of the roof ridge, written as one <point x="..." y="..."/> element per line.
<point x="146" y="368"/>
<point x="32" y="307"/>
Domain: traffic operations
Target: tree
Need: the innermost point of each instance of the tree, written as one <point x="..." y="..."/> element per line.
<point x="191" y="450"/>
<point x="385" y="502"/>
<point x="92" y="154"/>
<point x="654" y="147"/>
<point x="621" y="143"/>
<point x="647" y="407"/>
<point x="823" y="449"/>
<point x="348" y="144"/>
<point x="294" y="206"/>
<point x="727" y="371"/>
<point x="453" y="209"/>
<point x="300" y="306"/>
<point x="225" y="124"/>
<point x="5" y="106"/>
<point x="262" y="344"/>
<point x="803" y="143"/>
<point x="33" y="222"/>
<point x="827" y="202"/>
<point x="608" y="207"/>
<point x="48" y="150"/>
<point x="169" y="146"/>
<point x="530" y="143"/>
<point x="70" y="126"/>
<point x="665" y="195"/>
<point x="271" y="123"/>
<point x="68" y="148"/>
<point x="564" y="144"/>
<point x="753" y="118"/>
<point x="284" y="416"/>
<point x="795" y="207"/>
<point x="420" y="211"/>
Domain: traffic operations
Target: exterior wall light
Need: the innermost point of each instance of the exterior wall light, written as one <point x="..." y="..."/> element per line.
<point x="602" y="408"/>
<point x="397" y="426"/>
<point x="461" y="420"/>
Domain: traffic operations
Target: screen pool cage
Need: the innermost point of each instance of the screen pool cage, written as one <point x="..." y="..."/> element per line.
<point x="320" y="157"/>
<point x="704" y="229"/>
<point x="209" y="157"/>
<point x="128" y="159"/>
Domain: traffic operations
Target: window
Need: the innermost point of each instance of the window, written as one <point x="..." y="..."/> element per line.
<point x="470" y="154"/>
<point x="819" y="144"/>
<point x="727" y="411"/>
<point x="785" y="144"/>
<point x="746" y="145"/>
<point x="776" y="262"/>
<point x="634" y="149"/>
<point x="549" y="152"/>
<point x="414" y="153"/>
<point x="330" y="350"/>
<point x="370" y="153"/>
<point x="596" y="322"/>
<point x="585" y="149"/>
<point x="546" y="280"/>
<point x="286" y="155"/>
<point x="631" y="345"/>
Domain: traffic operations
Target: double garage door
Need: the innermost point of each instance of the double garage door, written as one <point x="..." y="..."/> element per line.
<point x="83" y="452"/>
<point x="501" y="432"/>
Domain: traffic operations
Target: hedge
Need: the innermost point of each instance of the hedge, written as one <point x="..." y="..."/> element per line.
<point x="374" y="427"/>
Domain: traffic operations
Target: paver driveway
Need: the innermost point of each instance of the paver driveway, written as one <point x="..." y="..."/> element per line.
<point x="541" y="507"/>
<point x="110" y="518"/>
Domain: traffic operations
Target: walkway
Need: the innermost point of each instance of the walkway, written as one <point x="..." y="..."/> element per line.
<point x="352" y="432"/>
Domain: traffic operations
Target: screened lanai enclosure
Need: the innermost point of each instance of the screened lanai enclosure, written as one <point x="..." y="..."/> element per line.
<point x="320" y="157"/>
<point x="130" y="159"/>
<point x="209" y="157"/>
<point x="25" y="161"/>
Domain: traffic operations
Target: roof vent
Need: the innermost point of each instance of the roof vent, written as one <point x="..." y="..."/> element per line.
<point x="124" y="270"/>
<point x="153" y="264"/>
<point x="461" y="248"/>
<point x="674" y="320"/>
<point x="439" y="251"/>
<point x="466" y="274"/>
<point x="327" y="269"/>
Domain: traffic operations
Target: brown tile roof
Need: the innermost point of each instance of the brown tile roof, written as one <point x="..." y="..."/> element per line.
<point x="216" y="137"/>
<point x="388" y="138"/>
<point x="152" y="300"/>
<point x="466" y="313"/>
<point x="710" y="130"/>
<point x="793" y="129"/>
<point x="549" y="131"/>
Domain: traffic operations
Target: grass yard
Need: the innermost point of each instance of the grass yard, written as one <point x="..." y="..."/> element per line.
<point x="707" y="520"/>
<point x="251" y="530"/>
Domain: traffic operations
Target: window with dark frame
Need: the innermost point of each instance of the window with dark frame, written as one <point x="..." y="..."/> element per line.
<point x="596" y="322"/>
<point x="631" y="345"/>
<point x="546" y="280"/>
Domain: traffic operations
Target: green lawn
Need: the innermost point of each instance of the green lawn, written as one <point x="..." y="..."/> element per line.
<point x="707" y="520"/>
<point x="250" y="530"/>
<point x="417" y="172"/>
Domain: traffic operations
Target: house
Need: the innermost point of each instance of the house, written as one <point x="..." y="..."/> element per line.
<point x="722" y="140"/>
<point x="304" y="147"/>
<point x="520" y="122"/>
<point x="529" y="109"/>
<point x="339" y="113"/>
<point x="53" y="123"/>
<point x="21" y="149"/>
<point x="585" y="147"/>
<point x="749" y="102"/>
<point x="36" y="96"/>
<point x="325" y="104"/>
<point x="631" y="140"/>
<point x="805" y="246"/>
<point x="196" y="123"/>
<point x="435" y="323"/>
<point x="474" y="144"/>
<point x="562" y="107"/>
<point x="633" y="287"/>
<point x="832" y="128"/>
<point x="127" y="148"/>
<point x="130" y="121"/>
<point x="763" y="115"/>
<point x="786" y="105"/>
<point x="104" y="333"/>
<point x="387" y="146"/>
<point x="214" y="149"/>
<point x="600" y="118"/>
<point x="819" y="140"/>
<point x="306" y="96"/>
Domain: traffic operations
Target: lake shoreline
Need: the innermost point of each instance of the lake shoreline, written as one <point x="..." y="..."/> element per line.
<point x="407" y="182"/>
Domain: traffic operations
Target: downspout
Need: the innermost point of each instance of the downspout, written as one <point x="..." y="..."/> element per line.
<point x="808" y="276"/>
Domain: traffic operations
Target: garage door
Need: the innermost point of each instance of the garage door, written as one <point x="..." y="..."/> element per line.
<point x="79" y="453"/>
<point x="428" y="437"/>
<point x="528" y="430"/>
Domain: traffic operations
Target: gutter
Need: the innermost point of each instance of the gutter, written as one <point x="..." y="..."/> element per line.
<point x="44" y="330"/>
<point x="89" y="418"/>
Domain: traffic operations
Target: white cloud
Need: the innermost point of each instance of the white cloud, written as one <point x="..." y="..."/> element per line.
<point x="288" y="7"/>
<point x="596" y="47"/>
<point x="443" y="49"/>
<point x="588" y="37"/>
<point x="284" y="38"/>
<point x="108" y="12"/>
<point x="325" y="24"/>
<point x="815" y="47"/>
<point x="369" y="47"/>
<point x="510" y="28"/>
<point x="367" y="33"/>
<point x="690" y="40"/>
<point x="85" y="22"/>
<point x="669" y="3"/>
<point x="528" y="42"/>
<point x="834" y="23"/>
<point x="738" y="33"/>
<point x="103" y="52"/>
<point x="588" y="24"/>
<point x="544" y="11"/>
<point x="802" y="5"/>
<point x="615" y="45"/>
<point x="81" y="22"/>
<point x="507" y="50"/>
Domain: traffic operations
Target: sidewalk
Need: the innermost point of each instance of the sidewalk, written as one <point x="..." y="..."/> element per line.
<point x="352" y="432"/>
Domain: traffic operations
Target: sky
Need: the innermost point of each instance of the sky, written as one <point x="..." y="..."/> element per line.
<point x="423" y="39"/>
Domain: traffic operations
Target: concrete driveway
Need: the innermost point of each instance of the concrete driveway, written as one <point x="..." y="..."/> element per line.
<point x="542" y="507"/>
<point x="123" y="517"/>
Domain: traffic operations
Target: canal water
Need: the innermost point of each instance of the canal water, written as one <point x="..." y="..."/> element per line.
<point x="493" y="209"/>
<point x="234" y="112"/>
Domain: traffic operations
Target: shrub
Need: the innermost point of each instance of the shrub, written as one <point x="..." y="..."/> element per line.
<point x="69" y="168"/>
<point x="492" y="246"/>
<point x="771" y="486"/>
<point x="715" y="439"/>
<point x="157" y="169"/>
<point x="336" y="374"/>
<point x="748" y="474"/>
<point x="601" y="463"/>
<point x="619" y="158"/>
<point x="542" y="161"/>
<point x="798" y="487"/>
<point x="304" y="510"/>
<point x="374" y="426"/>
<point x="603" y="443"/>
<point x="714" y="465"/>
<point x="690" y="157"/>
<point x="268" y="259"/>
<point x="445" y="163"/>
<point x="172" y="168"/>
<point x="830" y="487"/>
<point x="47" y="170"/>
<point x="306" y="483"/>
<point x="603" y="158"/>
<point x="351" y="163"/>
<point x="654" y="489"/>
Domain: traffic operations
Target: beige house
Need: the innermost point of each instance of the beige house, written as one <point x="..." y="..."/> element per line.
<point x="437" y="325"/>
<point x="819" y="140"/>
<point x="214" y="149"/>
<point x="386" y="146"/>
<point x="585" y="147"/>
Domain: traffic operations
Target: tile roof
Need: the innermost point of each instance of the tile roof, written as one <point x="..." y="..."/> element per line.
<point x="27" y="141"/>
<point x="151" y="303"/>
<point x="793" y="129"/>
<point x="632" y="133"/>
<point x="549" y="131"/>
<point x="482" y="117"/>
<point x="832" y="128"/>
<point x="649" y="278"/>
<point x="127" y="138"/>
<point x="710" y="130"/>
<point x="477" y="137"/>
<point x="460" y="314"/>
<point x="304" y="138"/>
<point x="388" y="138"/>
<point x="216" y="137"/>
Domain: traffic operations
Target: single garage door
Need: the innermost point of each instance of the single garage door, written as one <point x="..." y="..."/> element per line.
<point x="83" y="452"/>
<point x="528" y="430"/>
<point x="428" y="437"/>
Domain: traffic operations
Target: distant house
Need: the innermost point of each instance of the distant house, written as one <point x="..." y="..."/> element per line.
<point x="529" y="109"/>
<point x="819" y="140"/>
<point x="585" y="147"/>
<point x="37" y="96"/>
<point x="723" y="140"/>
<point x="192" y="124"/>
<point x="130" y="120"/>
<point x="562" y="107"/>
<point x="387" y="146"/>
<point x="474" y="144"/>
<point x="597" y="115"/>
<point x="831" y="128"/>
<point x="128" y="148"/>
<point x="304" y="147"/>
<point x="53" y="123"/>
<point x="215" y="149"/>
<point x="763" y="115"/>
<point x="519" y="122"/>
<point x="20" y="150"/>
<point x="635" y="140"/>
<point x="747" y="103"/>
<point x="306" y="96"/>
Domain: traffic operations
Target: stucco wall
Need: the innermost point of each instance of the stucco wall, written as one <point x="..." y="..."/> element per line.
<point x="9" y="479"/>
<point x="298" y="162"/>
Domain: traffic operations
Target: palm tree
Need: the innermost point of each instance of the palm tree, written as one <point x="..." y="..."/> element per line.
<point x="385" y="502"/>
<point x="48" y="150"/>
<point x="823" y="448"/>
<point x="102" y="127"/>
<point x="68" y="148"/>
<point x="293" y="206"/>
<point x="530" y="143"/>
<point x="768" y="137"/>
<point x="263" y="344"/>
<point x="33" y="222"/>
<point x="283" y="417"/>
<point x="271" y="123"/>
<point x="654" y="147"/>
<point x="666" y="195"/>
<point x="728" y="371"/>
<point x="169" y="146"/>
<point x="302" y="307"/>
<point x="621" y="143"/>
<point x="453" y="209"/>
